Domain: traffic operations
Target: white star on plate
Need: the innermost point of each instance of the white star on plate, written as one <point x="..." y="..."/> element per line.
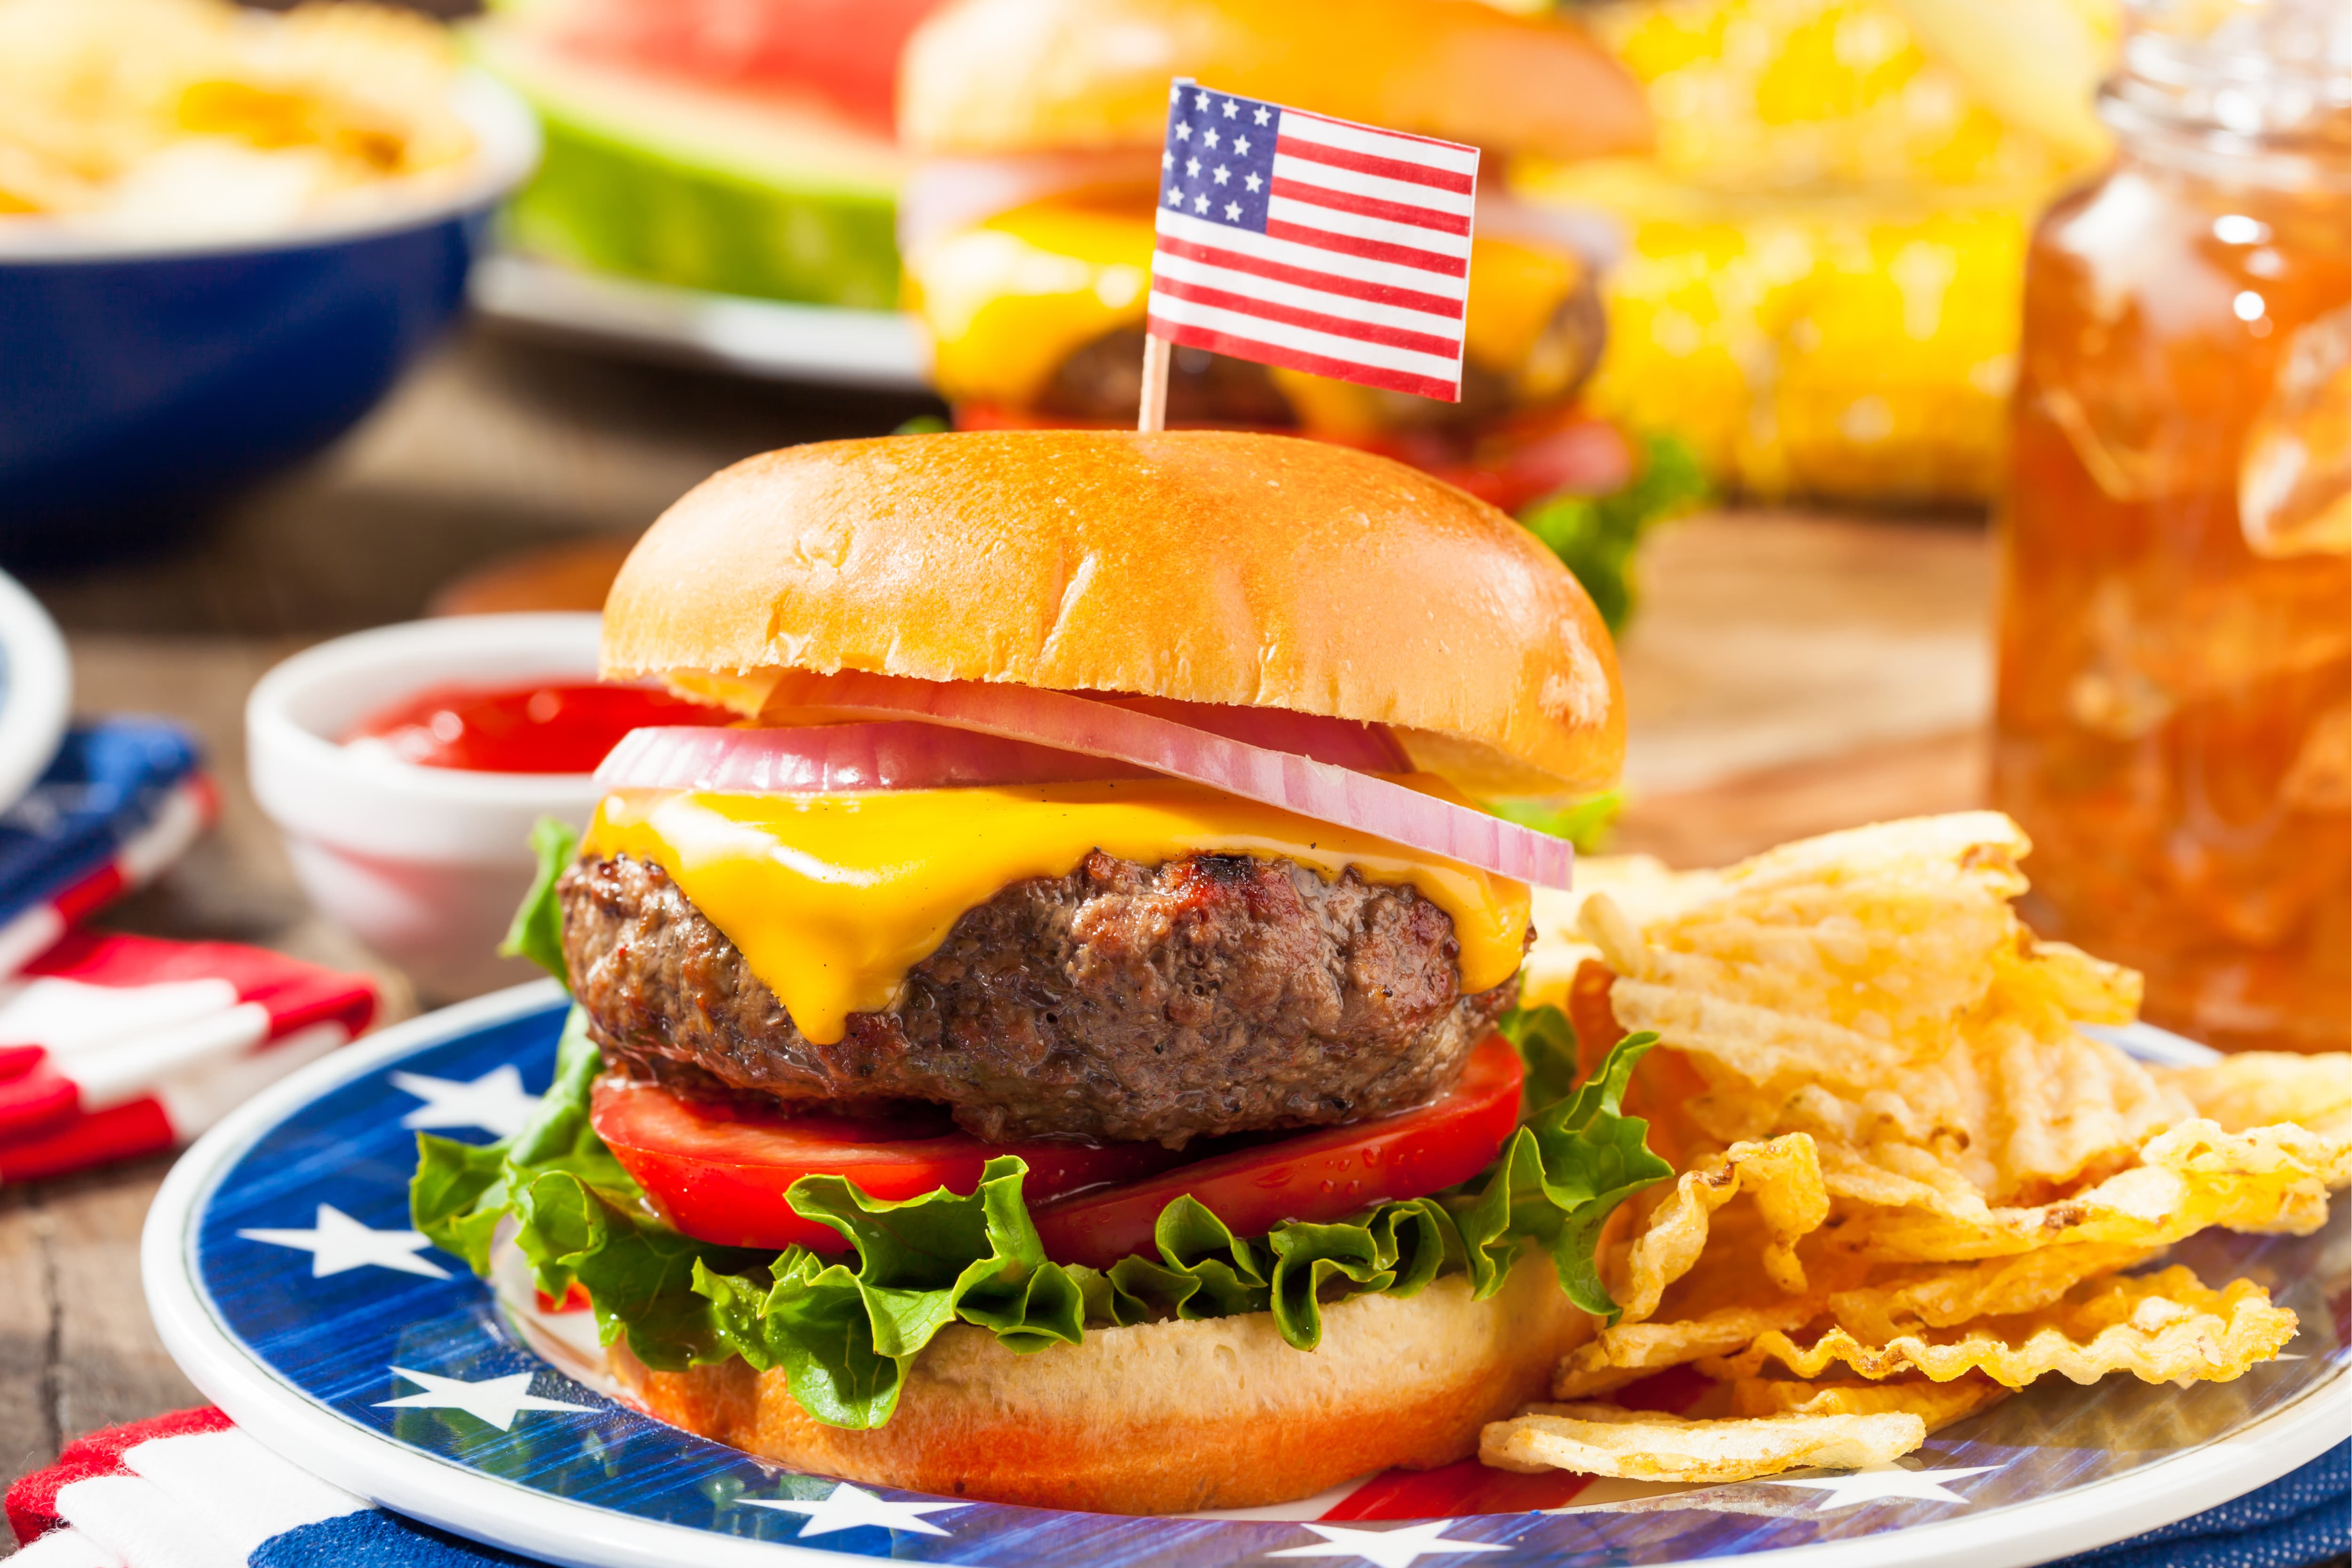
<point x="337" y="1242"/>
<point x="1260" y="115"/>
<point x="1221" y="174"/>
<point x="1191" y="168"/>
<point x="1241" y="146"/>
<point x="1167" y="160"/>
<point x="1201" y="101"/>
<point x="1232" y="212"/>
<point x="1232" y="109"/>
<point x="1184" y="132"/>
<point x="1251" y="181"/>
<point x="1885" y="1481"/>
<point x="1175" y="197"/>
<point x="496" y="1102"/>
<point x="1386" y="1548"/>
<point x="1200" y="204"/>
<point x="494" y="1401"/>
<point x="848" y="1507"/>
<point x="1209" y="136"/>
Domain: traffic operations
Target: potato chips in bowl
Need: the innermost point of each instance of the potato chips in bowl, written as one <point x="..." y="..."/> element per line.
<point x="1912" y="1179"/>
<point x="171" y="119"/>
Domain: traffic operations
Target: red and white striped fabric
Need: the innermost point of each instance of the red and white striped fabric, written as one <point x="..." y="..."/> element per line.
<point x="190" y="1490"/>
<point x="112" y="1047"/>
<point x="191" y="806"/>
<point x="1316" y="244"/>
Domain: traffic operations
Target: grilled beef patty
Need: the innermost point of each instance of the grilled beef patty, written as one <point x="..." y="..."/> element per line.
<point x="1212" y="993"/>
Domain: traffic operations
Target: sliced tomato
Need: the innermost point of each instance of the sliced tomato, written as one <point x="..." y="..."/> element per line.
<point x="1322" y="1175"/>
<point x="719" y="1173"/>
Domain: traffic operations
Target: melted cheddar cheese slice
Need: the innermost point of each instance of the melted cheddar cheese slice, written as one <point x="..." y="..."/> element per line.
<point x="832" y="898"/>
<point x="1009" y="300"/>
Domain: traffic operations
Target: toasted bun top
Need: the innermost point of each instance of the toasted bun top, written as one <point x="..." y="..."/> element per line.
<point x="1260" y="571"/>
<point x="1015" y="76"/>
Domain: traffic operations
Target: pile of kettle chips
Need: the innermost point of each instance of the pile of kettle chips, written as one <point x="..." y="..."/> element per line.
<point x="1909" y="1183"/>
<point x="175" y="120"/>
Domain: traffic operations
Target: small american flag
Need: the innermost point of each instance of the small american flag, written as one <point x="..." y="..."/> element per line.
<point x="1299" y="240"/>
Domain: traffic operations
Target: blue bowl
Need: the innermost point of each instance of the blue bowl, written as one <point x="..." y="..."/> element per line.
<point x="139" y="384"/>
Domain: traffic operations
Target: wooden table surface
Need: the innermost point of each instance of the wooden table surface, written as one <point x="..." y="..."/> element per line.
<point x="1788" y="673"/>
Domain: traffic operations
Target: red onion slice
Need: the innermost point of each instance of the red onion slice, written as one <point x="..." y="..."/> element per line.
<point x="1342" y="743"/>
<point x="823" y="759"/>
<point x="1120" y="731"/>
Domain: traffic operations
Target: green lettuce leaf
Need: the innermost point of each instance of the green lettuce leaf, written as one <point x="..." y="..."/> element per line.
<point x="537" y="931"/>
<point x="1561" y="1177"/>
<point x="846" y="1331"/>
<point x="1547" y="1043"/>
<point x="1588" y="824"/>
<point x="1595" y="536"/>
<point x="578" y="1218"/>
<point x="845" y="1335"/>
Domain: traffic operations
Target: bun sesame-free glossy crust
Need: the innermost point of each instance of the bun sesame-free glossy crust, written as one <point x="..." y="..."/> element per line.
<point x="1170" y="1417"/>
<point x="985" y="77"/>
<point x="1209" y="566"/>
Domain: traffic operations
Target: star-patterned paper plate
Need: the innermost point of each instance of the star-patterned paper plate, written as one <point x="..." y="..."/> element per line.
<point x="283" y="1275"/>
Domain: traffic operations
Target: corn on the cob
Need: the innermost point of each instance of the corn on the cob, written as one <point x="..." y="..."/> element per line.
<point x="1820" y="285"/>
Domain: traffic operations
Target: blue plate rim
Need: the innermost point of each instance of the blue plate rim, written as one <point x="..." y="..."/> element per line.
<point x="518" y="1519"/>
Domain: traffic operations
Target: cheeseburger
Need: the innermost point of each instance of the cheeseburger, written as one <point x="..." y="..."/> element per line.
<point x="1026" y="225"/>
<point x="1048" y="1051"/>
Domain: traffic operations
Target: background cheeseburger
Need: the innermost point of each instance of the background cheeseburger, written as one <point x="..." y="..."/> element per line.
<point x="1026" y="228"/>
<point x="1049" y="1051"/>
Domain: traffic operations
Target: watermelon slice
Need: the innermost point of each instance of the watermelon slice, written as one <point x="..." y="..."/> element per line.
<point x="765" y="191"/>
<point x="844" y="51"/>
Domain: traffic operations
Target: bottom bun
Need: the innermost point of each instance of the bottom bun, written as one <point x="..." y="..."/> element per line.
<point x="1169" y="1417"/>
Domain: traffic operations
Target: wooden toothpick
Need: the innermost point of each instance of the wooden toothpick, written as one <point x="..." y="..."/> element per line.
<point x="1153" y="415"/>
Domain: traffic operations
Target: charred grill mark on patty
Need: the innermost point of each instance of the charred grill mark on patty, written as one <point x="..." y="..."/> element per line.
<point x="1212" y="993"/>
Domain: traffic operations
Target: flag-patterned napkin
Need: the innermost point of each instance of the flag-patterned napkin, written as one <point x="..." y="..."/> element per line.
<point x="122" y="799"/>
<point x="190" y="1490"/>
<point x="112" y="1046"/>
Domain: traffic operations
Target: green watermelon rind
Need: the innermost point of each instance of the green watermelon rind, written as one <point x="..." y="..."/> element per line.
<point x="629" y="199"/>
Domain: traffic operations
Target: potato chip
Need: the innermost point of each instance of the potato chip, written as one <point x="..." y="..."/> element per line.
<point x="1835" y="960"/>
<point x="2012" y="1111"/>
<point x="2260" y="1088"/>
<point x="2271" y="1180"/>
<point x="1988" y="1166"/>
<point x="1822" y="1008"/>
<point x="1896" y="1302"/>
<point x="2163" y="1328"/>
<point x="1617" y="1356"/>
<point x="1650" y="1446"/>
<point x="2063" y="978"/>
<point x="191" y="116"/>
<point x="1785" y="1180"/>
<point x="1640" y="884"/>
<point x="1936" y="1403"/>
<point x="1939" y="1297"/>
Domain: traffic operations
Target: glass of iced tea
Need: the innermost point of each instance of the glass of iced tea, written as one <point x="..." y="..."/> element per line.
<point x="2176" y="620"/>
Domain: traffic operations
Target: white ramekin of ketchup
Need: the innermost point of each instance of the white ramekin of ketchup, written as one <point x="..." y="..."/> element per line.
<point x="405" y="765"/>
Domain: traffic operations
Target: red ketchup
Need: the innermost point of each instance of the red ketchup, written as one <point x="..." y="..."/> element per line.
<point x="546" y="727"/>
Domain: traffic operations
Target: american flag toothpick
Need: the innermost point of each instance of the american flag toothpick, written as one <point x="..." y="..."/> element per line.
<point x="1317" y="244"/>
